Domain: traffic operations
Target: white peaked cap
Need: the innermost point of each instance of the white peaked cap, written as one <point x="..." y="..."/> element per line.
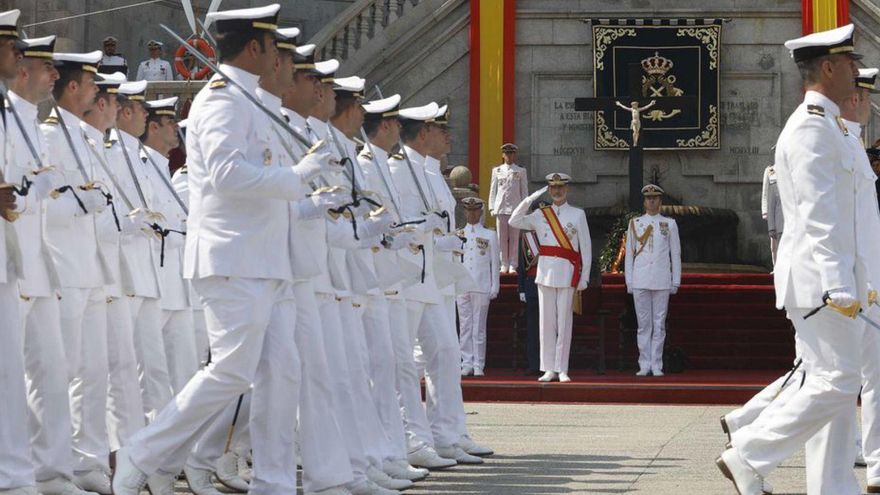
<point x="133" y="88"/>
<point x="244" y="14"/>
<point x="423" y="113"/>
<point x="382" y="106"/>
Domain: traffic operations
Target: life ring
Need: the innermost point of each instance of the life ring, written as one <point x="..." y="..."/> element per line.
<point x="180" y="57"/>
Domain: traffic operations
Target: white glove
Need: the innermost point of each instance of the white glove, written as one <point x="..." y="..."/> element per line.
<point x="675" y="289"/>
<point x="448" y="243"/>
<point x="93" y="200"/>
<point x="537" y="194"/>
<point x="522" y="297"/>
<point x="400" y="241"/>
<point x="133" y="223"/>
<point x="842" y="297"/>
<point x="44" y="183"/>
<point x="373" y="226"/>
<point x="313" y="165"/>
<point x="317" y="204"/>
<point x="493" y="295"/>
<point x="433" y="222"/>
<point x="582" y="284"/>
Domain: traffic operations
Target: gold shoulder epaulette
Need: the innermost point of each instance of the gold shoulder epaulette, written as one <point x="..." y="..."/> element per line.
<point x="397" y="156"/>
<point x="816" y="110"/>
<point x="219" y="83"/>
<point x="182" y="170"/>
<point x="109" y="144"/>
<point x="51" y="120"/>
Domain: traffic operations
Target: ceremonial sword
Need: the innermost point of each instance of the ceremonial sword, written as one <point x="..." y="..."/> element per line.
<point x="137" y="185"/>
<point x="853" y="311"/>
<point x="372" y="152"/>
<point x="25" y="182"/>
<point x="89" y="184"/>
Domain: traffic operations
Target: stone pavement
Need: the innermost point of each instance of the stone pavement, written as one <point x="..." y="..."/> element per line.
<point x="610" y="449"/>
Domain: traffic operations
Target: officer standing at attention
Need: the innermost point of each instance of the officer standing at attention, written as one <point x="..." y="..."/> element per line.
<point x="816" y="263"/>
<point x="563" y="267"/>
<point x="653" y="270"/>
<point x="481" y="260"/>
<point x="111" y="61"/>
<point x="154" y="68"/>
<point x="508" y="188"/>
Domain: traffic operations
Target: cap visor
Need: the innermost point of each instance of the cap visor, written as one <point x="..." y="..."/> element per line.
<point x="20" y="44"/>
<point x="855" y="56"/>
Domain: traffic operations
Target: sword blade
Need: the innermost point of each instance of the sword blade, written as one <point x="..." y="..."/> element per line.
<point x="106" y="168"/>
<point x="869" y="321"/>
<point x="137" y="184"/>
<point x="164" y="179"/>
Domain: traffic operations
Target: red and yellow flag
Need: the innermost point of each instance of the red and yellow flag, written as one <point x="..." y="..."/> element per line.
<point x="822" y="15"/>
<point x="492" y="99"/>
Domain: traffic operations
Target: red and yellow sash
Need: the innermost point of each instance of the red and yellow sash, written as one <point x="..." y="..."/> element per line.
<point x="564" y="250"/>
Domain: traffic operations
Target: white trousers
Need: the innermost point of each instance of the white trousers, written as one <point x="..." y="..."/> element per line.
<point x="554" y="304"/>
<point x="155" y="383"/>
<point x="440" y="356"/>
<point x="201" y="335"/>
<point x="179" y="337"/>
<point x="775" y="393"/>
<point x="368" y="424"/>
<point x="212" y="444"/>
<point x="251" y="330"/>
<point x="831" y="346"/>
<point x="651" y="307"/>
<point x="84" y="328"/>
<point x="344" y="405"/>
<point x="383" y="375"/>
<point x="473" y="310"/>
<point x="871" y="399"/>
<point x="16" y="470"/>
<point x="125" y="408"/>
<point x="409" y="383"/>
<point x="48" y="401"/>
<point x="508" y="241"/>
<point x="324" y="454"/>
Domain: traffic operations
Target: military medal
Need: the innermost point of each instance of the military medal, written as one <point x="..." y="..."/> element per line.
<point x="267" y="157"/>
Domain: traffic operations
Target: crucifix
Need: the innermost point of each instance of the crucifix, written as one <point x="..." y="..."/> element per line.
<point x="635" y="103"/>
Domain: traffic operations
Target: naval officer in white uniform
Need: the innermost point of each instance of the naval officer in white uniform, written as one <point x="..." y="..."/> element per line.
<point x="481" y="260"/>
<point x="653" y="271"/>
<point x="563" y="268"/>
<point x="816" y="262"/>
<point x="238" y="257"/>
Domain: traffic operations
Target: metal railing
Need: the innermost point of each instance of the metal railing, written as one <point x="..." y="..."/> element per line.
<point x="361" y="22"/>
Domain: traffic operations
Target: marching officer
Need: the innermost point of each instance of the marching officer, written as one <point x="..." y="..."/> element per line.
<point x="816" y="263"/>
<point x="563" y="268"/>
<point x="481" y="260"/>
<point x="154" y="68"/>
<point x="111" y="61"/>
<point x="244" y="280"/>
<point x="653" y="271"/>
<point x="16" y="469"/>
<point x="509" y="186"/>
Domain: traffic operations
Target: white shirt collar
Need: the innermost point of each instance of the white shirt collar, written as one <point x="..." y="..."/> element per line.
<point x="271" y="101"/>
<point x="414" y="156"/>
<point x="93" y="133"/>
<point x="26" y="110"/>
<point x="816" y="98"/>
<point x="432" y="165"/>
<point x="854" y="127"/>
<point x="242" y="77"/>
<point x="296" y="119"/>
<point x="71" y="120"/>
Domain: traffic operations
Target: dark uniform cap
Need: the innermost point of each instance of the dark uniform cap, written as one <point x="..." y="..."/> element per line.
<point x="472" y="203"/>
<point x="652" y="190"/>
<point x="509" y="147"/>
<point x="557" y="179"/>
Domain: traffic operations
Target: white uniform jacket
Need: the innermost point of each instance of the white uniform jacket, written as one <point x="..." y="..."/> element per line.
<point x="71" y="234"/>
<point x="154" y="69"/>
<point x="868" y="233"/>
<point x="482" y="257"/>
<point x="172" y="286"/>
<point x="816" y="180"/>
<point x="180" y="181"/>
<point x="508" y="188"/>
<point x="137" y="250"/>
<point x="653" y="253"/>
<point x="39" y="277"/>
<point x="554" y="271"/>
<point x="412" y="207"/>
<point x="239" y="222"/>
